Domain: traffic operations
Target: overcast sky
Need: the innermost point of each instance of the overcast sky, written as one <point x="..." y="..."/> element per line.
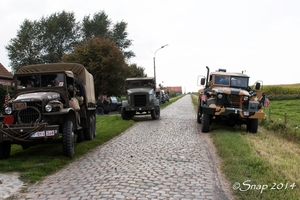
<point x="259" y="36"/>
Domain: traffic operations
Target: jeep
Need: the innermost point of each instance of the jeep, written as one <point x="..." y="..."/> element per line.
<point x="52" y="102"/>
<point x="141" y="98"/>
<point x="106" y="105"/>
<point x="227" y="97"/>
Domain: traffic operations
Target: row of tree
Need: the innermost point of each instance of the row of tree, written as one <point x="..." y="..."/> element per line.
<point x="97" y="43"/>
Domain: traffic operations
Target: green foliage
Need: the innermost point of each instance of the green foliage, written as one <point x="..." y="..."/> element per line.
<point x="283" y="117"/>
<point x="135" y="71"/>
<point x="26" y="47"/>
<point x="59" y="33"/>
<point x="282" y="92"/>
<point x="119" y="35"/>
<point x="47" y="40"/>
<point x="98" y="26"/>
<point x="105" y="61"/>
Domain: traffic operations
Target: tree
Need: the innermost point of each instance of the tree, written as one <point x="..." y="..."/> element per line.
<point x="135" y="71"/>
<point x="26" y="47"/>
<point x="43" y="41"/>
<point x="105" y="61"/>
<point x="119" y="35"/>
<point x="59" y="32"/>
<point x="100" y="26"/>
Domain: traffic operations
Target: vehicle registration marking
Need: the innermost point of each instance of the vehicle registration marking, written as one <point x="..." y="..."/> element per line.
<point x="38" y="134"/>
<point x="43" y="133"/>
<point x="50" y="133"/>
<point x="19" y="106"/>
<point x="246" y="113"/>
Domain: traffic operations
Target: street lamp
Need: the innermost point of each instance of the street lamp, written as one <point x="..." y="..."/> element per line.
<point x="154" y="63"/>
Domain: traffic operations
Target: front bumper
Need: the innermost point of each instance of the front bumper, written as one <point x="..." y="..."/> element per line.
<point x="233" y="111"/>
<point x="20" y="134"/>
<point x="140" y="109"/>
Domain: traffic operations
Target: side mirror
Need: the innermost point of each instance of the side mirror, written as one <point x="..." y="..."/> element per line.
<point x="257" y="86"/>
<point x="202" y="81"/>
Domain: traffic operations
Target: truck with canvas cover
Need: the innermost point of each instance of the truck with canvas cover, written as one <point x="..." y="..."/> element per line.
<point x="141" y="98"/>
<point x="227" y="97"/>
<point x="52" y="102"/>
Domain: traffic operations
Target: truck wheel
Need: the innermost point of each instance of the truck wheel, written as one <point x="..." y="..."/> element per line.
<point x="100" y="111"/>
<point x="155" y="114"/>
<point x="94" y="125"/>
<point x="90" y="132"/>
<point x="125" y="115"/>
<point x="205" y="121"/>
<point x="68" y="139"/>
<point x="252" y="125"/>
<point x="80" y="135"/>
<point x="119" y="109"/>
<point x="199" y="115"/>
<point x="5" y="150"/>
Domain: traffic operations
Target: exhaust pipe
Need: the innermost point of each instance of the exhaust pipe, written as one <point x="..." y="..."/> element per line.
<point x="206" y="85"/>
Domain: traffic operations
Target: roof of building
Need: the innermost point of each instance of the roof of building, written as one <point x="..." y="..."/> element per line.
<point x="4" y="73"/>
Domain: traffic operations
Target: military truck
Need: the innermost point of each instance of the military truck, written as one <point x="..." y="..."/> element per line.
<point x="141" y="98"/>
<point x="227" y="97"/>
<point x="52" y="102"/>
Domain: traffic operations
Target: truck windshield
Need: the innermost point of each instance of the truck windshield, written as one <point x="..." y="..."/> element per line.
<point x="140" y="83"/>
<point x="40" y="80"/>
<point x="241" y="82"/>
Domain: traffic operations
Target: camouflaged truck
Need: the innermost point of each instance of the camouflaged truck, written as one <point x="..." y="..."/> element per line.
<point x="227" y="97"/>
<point x="52" y="102"/>
<point x="141" y="98"/>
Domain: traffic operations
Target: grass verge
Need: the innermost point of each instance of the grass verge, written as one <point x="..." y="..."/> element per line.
<point x="258" y="166"/>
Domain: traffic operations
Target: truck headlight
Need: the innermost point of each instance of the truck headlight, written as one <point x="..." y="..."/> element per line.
<point x="8" y="110"/>
<point x="220" y="96"/>
<point x="246" y="98"/>
<point x="48" y="108"/>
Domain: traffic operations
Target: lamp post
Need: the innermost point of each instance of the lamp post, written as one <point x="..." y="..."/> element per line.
<point x="154" y="63"/>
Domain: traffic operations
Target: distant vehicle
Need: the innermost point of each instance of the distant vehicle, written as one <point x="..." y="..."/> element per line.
<point x="227" y="97"/>
<point x="104" y="106"/>
<point x="141" y="98"/>
<point x="164" y="96"/>
<point x="52" y="102"/>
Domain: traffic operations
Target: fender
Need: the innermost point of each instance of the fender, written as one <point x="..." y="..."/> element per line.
<point x="124" y="103"/>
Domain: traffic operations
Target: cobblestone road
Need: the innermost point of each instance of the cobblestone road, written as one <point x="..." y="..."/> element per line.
<point x="167" y="158"/>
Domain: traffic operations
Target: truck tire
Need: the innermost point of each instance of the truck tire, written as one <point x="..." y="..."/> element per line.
<point x="94" y="126"/>
<point x="199" y="115"/>
<point x="68" y="139"/>
<point x="100" y="111"/>
<point x="125" y="115"/>
<point x="5" y="150"/>
<point x="119" y="109"/>
<point x="80" y="135"/>
<point x="252" y="125"/>
<point x="155" y="114"/>
<point x="89" y="133"/>
<point x="205" y="121"/>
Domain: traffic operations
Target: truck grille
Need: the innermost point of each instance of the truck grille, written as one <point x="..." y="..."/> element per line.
<point x="140" y="100"/>
<point x="232" y="101"/>
<point x="31" y="114"/>
<point x="235" y="100"/>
